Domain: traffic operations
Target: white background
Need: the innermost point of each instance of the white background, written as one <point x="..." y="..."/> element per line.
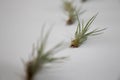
<point x="20" y="25"/>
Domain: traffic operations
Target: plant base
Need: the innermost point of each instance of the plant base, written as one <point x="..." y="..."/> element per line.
<point x="29" y="72"/>
<point x="70" y="22"/>
<point x="74" y="44"/>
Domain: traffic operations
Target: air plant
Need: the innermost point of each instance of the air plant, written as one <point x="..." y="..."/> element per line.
<point x="71" y="11"/>
<point x="83" y="0"/>
<point x="41" y="57"/>
<point x="82" y="32"/>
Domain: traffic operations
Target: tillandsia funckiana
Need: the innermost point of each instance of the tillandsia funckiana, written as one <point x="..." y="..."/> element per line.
<point x="83" y="0"/>
<point x="82" y="32"/>
<point x="40" y="57"/>
<point x="71" y="11"/>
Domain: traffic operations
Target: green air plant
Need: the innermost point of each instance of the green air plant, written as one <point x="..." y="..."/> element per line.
<point x="41" y="57"/>
<point x="82" y="32"/>
<point x="71" y="11"/>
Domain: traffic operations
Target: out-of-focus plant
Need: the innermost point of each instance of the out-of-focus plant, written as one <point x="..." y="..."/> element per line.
<point x="71" y="10"/>
<point x="82" y="32"/>
<point x="41" y="57"/>
<point x="83" y="1"/>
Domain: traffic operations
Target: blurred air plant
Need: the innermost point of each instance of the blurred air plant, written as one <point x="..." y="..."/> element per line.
<point x="82" y="32"/>
<point x="83" y="1"/>
<point x="71" y="10"/>
<point x="40" y="57"/>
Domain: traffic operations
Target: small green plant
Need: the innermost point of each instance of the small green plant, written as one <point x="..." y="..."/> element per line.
<point x="71" y="11"/>
<point x="41" y="57"/>
<point x="82" y="32"/>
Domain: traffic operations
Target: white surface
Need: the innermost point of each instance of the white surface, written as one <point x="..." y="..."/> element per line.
<point x="20" y="24"/>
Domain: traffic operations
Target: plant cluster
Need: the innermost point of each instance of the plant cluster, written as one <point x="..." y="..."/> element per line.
<point x="40" y="57"/>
